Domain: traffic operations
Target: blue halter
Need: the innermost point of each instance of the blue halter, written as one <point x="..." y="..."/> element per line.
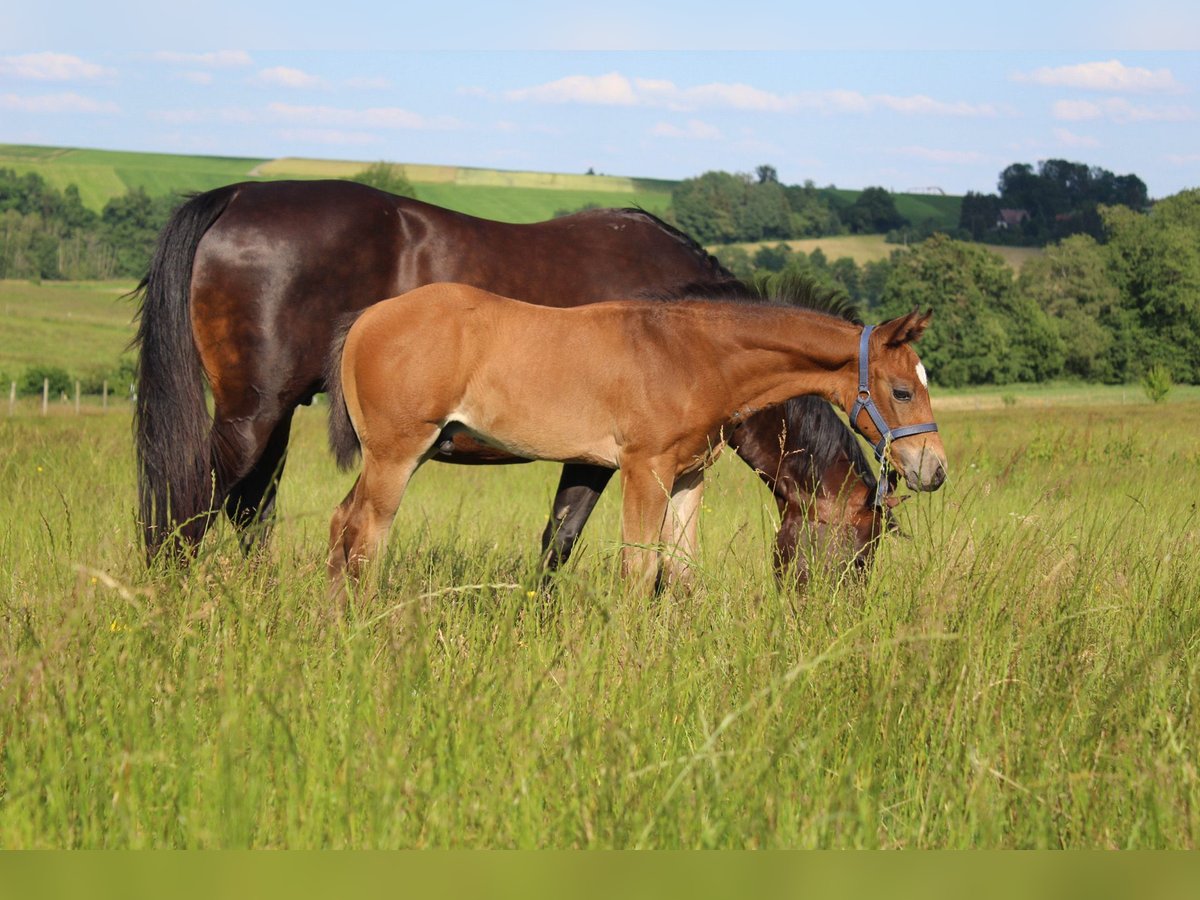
<point x="864" y="401"/>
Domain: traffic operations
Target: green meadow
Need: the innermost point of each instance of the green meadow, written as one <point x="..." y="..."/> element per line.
<point x="510" y="196"/>
<point x="513" y="196"/>
<point x="867" y="248"/>
<point x="1020" y="668"/>
<point x="82" y="327"/>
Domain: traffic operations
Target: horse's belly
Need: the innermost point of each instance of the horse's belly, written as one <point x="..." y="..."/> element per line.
<point x="539" y="437"/>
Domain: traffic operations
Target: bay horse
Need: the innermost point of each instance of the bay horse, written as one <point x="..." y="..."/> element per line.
<point x="642" y="386"/>
<point x="831" y="508"/>
<point x="243" y="294"/>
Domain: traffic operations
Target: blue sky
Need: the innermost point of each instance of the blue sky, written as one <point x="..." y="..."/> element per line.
<point x="935" y="95"/>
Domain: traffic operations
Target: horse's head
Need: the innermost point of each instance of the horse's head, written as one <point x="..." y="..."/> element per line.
<point x="892" y="408"/>
<point x="842" y="523"/>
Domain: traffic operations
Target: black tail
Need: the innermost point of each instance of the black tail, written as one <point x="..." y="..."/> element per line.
<point x="343" y="439"/>
<point x="171" y="420"/>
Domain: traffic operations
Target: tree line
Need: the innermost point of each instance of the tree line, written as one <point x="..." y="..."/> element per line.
<point x="726" y="208"/>
<point x="1032" y="207"/>
<point x="1104" y="302"/>
<point x="1105" y="310"/>
<point x="47" y="233"/>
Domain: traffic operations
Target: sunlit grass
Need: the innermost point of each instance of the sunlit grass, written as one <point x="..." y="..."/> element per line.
<point x="1020" y="670"/>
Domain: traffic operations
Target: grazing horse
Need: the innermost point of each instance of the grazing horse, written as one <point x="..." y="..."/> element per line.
<point x="827" y="478"/>
<point x="642" y="386"/>
<point x="244" y="292"/>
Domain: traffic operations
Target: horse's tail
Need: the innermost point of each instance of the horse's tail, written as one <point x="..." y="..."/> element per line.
<point x="343" y="439"/>
<point x="171" y="420"/>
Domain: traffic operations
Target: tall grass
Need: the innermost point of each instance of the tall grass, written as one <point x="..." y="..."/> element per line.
<point x="1020" y="670"/>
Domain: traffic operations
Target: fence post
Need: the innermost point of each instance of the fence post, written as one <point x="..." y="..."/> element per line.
<point x="76" y="397"/>
<point x="45" y="395"/>
<point x="12" y="398"/>
<point x="104" y="390"/>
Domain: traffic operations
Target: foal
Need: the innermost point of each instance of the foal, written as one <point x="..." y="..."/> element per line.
<point x="646" y="387"/>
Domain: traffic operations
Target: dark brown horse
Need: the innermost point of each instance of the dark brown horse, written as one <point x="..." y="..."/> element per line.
<point x="831" y="511"/>
<point x="245" y="289"/>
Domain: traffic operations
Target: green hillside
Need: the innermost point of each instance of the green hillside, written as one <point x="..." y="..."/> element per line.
<point x="513" y="196"/>
<point x="102" y="175"/>
<point x="943" y="210"/>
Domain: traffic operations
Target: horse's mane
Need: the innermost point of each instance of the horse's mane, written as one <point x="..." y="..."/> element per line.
<point x="815" y="436"/>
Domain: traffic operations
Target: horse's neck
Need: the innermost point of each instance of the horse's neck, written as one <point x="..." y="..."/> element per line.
<point x="784" y="353"/>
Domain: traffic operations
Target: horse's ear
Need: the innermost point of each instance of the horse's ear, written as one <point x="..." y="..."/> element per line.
<point x="905" y="329"/>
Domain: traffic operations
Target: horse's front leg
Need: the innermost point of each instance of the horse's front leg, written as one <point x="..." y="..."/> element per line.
<point x="647" y="491"/>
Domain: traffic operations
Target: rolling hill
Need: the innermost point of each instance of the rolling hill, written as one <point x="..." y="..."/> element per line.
<point x="513" y="196"/>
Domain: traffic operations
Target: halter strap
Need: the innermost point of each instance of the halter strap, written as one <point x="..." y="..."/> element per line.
<point x="865" y="402"/>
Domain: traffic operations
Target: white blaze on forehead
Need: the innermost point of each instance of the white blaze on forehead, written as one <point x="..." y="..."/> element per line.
<point x="921" y="377"/>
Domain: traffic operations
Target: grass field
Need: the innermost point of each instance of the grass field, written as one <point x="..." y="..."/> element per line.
<point x="512" y="196"/>
<point x="917" y="208"/>
<point x="1020" y="669"/>
<point x="82" y="327"/>
<point x="865" y="248"/>
<point x="505" y="195"/>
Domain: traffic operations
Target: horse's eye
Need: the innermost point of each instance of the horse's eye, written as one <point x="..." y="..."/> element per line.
<point x="901" y="394"/>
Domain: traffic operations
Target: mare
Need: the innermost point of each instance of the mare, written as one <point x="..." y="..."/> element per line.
<point x="827" y="478"/>
<point x="244" y="293"/>
<point x="647" y="387"/>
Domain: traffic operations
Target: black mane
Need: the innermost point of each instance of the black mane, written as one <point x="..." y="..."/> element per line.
<point x="817" y="437"/>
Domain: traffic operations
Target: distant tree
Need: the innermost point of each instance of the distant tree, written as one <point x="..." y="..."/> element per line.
<point x="1072" y="284"/>
<point x="130" y="225"/>
<point x="767" y="175"/>
<point x="1062" y="198"/>
<point x="813" y="214"/>
<point x="1155" y="262"/>
<point x="772" y="259"/>
<point x="982" y="331"/>
<point x="978" y="214"/>
<point x="386" y="176"/>
<point x="720" y="208"/>
<point x="872" y="212"/>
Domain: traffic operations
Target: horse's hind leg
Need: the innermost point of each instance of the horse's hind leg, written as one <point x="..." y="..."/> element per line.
<point x="251" y="501"/>
<point x="361" y="522"/>
<point x="579" y="488"/>
<point x="680" y="528"/>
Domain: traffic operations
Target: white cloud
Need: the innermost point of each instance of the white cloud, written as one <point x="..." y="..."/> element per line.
<point x="926" y="106"/>
<point x="369" y="83"/>
<point x="615" y="89"/>
<point x="1119" y="110"/>
<point x="377" y="117"/>
<point x="695" y="130"/>
<point x="51" y="67"/>
<point x="285" y="76"/>
<point x="58" y="103"/>
<point x="196" y="77"/>
<point x="220" y="59"/>
<point x="1071" y="139"/>
<point x="229" y="115"/>
<point x="1183" y="159"/>
<point x="938" y="155"/>
<point x="329" y="136"/>
<point x="1112" y="75"/>
<point x="612" y="89"/>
